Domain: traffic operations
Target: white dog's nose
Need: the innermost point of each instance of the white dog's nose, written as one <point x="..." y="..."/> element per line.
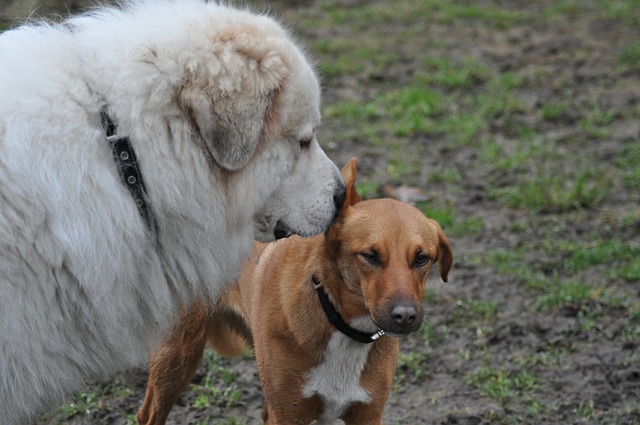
<point x="339" y="196"/>
<point x="281" y="230"/>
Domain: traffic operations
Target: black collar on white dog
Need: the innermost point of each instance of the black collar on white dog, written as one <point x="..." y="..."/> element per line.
<point x="128" y="168"/>
<point x="336" y="319"/>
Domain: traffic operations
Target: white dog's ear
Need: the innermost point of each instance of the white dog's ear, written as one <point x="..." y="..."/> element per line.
<point x="230" y="96"/>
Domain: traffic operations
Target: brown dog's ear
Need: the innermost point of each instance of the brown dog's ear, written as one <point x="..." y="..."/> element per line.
<point x="349" y="172"/>
<point x="445" y="254"/>
<point x="229" y="95"/>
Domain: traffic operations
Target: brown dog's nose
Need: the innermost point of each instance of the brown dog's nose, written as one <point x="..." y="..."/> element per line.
<point x="404" y="314"/>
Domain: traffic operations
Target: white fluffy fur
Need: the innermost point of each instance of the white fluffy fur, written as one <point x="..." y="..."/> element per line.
<point x="215" y="101"/>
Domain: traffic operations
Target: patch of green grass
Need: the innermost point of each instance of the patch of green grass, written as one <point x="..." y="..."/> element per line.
<point x="446" y="217"/>
<point x="445" y="175"/>
<point x="428" y="335"/>
<point x="554" y="111"/>
<point x="434" y="103"/>
<point x="608" y="252"/>
<point x="513" y="263"/>
<point x="218" y="386"/>
<point x="413" y="110"/>
<point x="626" y="11"/>
<point x="574" y="293"/>
<point x="551" y="355"/>
<point x="476" y="311"/>
<point x="629" y="272"/>
<point x="360" y="15"/>
<point x="443" y="72"/>
<point x="449" y="11"/>
<point x="522" y="153"/>
<point x="87" y="403"/>
<point x="339" y="66"/>
<point x="233" y="420"/>
<point x="585" y="410"/>
<point x="353" y="112"/>
<point x="622" y="259"/>
<point x="553" y="191"/>
<point x="558" y="11"/>
<point x="367" y="189"/>
<point x="411" y="366"/>
<point x="630" y="56"/>
<point x="506" y="261"/>
<point x="629" y="162"/>
<point x="535" y="407"/>
<point x="632" y="332"/>
<point x="83" y="404"/>
<point x="501" y="384"/>
<point x="484" y="310"/>
<point x="131" y="419"/>
<point x="594" y="121"/>
<point x="553" y="291"/>
<point x="399" y="166"/>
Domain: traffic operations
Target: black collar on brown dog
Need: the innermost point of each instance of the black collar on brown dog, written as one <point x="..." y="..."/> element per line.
<point x="128" y="168"/>
<point x="336" y="319"/>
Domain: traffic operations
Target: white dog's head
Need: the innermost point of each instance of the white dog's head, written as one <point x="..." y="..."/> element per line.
<point x="255" y="102"/>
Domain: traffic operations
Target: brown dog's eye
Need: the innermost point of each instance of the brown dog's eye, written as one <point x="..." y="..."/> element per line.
<point x="372" y="258"/>
<point x="421" y="260"/>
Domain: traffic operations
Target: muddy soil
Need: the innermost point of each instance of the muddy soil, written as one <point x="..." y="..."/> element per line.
<point x="594" y="375"/>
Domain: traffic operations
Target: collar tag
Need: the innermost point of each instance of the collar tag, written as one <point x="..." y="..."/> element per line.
<point x="377" y="335"/>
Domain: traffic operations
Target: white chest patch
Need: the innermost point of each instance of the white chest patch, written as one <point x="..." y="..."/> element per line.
<point x="337" y="379"/>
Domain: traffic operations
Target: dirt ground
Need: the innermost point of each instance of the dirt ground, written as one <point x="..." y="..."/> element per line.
<point x="494" y="349"/>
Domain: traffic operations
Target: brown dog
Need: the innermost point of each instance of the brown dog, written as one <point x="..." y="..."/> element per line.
<point x="315" y="311"/>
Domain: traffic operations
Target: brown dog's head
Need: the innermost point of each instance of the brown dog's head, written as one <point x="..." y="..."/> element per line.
<point x="384" y="250"/>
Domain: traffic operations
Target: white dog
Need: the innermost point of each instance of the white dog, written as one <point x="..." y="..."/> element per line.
<point x="98" y="248"/>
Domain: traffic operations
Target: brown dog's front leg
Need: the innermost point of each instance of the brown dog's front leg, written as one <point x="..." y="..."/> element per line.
<point x="173" y="365"/>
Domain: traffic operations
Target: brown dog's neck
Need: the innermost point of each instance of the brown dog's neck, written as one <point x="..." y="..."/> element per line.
<point x="349" y="303"/>
<point x="336" y="319"/>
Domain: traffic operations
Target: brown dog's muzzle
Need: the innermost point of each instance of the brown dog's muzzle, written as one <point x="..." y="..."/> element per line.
<point x="401" y="317"/>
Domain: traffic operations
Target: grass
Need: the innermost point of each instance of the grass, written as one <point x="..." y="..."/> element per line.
<point x="447" y="11"/>
<point x="452" y="225"/>
<point x="91" y="401"/>
<point x="621" y="258"/>
<point x="630" y="56"/>
<point x="218" y="386"/>
<point x="555" y="111"/>
<point x="571" y="293"/>
<point x="411" y="367"/>
<point x="585" y="410"/>
<point x="501" y="384"/>
<point x="445" y="175"/>
<point x="628" y="161"/>
<point x="551" y="191"/>
<point x="476" y="313"/>
<point x="560" y="289"/>
<point x="443" y="72"/>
